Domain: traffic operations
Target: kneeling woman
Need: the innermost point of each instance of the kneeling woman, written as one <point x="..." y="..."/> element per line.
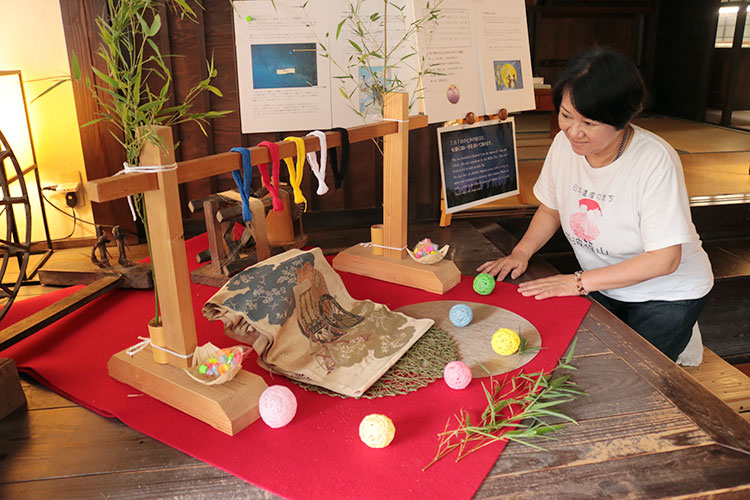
<point x="618" y="191"/>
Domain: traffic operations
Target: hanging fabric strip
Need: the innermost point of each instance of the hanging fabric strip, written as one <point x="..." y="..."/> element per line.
<point x="272" y="186"/>
<point x="338" y="175"/>
<point x="243" y="178"/>
<point x="312" y="159"/>
<point x="295" y="175"/>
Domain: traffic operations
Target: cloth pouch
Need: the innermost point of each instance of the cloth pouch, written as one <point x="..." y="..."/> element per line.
<point x="294" y="310"/>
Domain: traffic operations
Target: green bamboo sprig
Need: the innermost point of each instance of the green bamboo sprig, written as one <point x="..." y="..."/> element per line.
<point x="523" y="347"/>
<point x="516" y="411"/>
<point x="368" y="38"/>
<point x="133" y="90"/>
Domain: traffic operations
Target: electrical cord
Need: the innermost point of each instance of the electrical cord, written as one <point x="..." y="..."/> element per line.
<point x="74" y="216"/>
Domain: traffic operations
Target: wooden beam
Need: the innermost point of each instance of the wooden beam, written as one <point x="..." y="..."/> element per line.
<point x="114" y="187"/>
<point x="53" y="312"/>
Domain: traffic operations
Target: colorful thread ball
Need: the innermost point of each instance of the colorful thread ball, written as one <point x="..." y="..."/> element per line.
<point x="505" y="342"/>
<point x="457" y="375"/>
<point x="484" y="283"/>
<point x="277" y="406"/>
<point x="376" y="430"/>
<point x="460" y="315"/>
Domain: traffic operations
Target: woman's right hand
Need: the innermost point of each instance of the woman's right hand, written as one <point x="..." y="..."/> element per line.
<point x="515" y="264"/>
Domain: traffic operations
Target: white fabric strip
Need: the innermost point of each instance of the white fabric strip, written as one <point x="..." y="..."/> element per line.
<point x="312" y="159"/>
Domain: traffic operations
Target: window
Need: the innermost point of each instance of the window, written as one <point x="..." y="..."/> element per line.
<point x="726" y="25"/>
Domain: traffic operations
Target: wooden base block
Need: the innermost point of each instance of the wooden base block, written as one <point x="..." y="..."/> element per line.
<point x="11" y="394"/>
<point x="435" y="278"/>
<point x="228" y="407"/>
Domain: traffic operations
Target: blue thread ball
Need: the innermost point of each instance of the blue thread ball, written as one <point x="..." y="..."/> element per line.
<point x="460" y="315"/>
<point x="484" y="283"/>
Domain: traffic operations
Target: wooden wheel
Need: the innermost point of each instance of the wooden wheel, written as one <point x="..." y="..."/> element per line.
<point x="11" y="245"/>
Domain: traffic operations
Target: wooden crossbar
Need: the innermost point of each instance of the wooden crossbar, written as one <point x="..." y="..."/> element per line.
<point x="120" y="186"/>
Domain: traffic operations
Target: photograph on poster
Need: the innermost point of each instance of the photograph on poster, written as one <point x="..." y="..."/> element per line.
<point x="284" y="65"/>
<point x="478" y="163"/>
<point x="508" y="75"/>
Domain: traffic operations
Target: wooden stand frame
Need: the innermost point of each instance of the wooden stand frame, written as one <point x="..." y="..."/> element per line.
<point x="228" y="407"/>
<point x="394" y="265"/>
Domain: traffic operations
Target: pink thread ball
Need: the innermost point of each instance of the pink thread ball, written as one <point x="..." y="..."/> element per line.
<point x="457" y="375"/>
<point x="277" y="406"/>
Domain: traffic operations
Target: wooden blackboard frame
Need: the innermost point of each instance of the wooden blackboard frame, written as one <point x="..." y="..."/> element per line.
<point x="483" y="153"/>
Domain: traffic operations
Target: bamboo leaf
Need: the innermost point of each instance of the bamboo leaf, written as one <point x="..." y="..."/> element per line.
<point x="155" y="26"/>
<point x="338" y="28"/>
<point x="76" y="67"/>
<point x="356" y="47"/>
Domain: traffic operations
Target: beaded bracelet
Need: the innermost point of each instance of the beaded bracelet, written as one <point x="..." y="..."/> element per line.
<point x="579" y="285"/>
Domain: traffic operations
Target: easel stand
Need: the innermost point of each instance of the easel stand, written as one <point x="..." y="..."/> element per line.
<point x="232" y="406"/>
<point x="395" y="266"/>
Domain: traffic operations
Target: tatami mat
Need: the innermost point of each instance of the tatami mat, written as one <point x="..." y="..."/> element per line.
<point x="712" y="174"/>
<point x="695" y="137"/>
<point x="716" y="160"/>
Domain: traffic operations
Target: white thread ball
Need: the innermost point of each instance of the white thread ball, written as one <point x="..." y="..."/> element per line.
<point x="457" y="375"/>
<point x="376" y="430"/>
<point x="277" y="406"/>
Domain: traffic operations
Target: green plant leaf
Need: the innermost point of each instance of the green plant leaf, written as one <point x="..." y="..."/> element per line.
<point x="356" y="47"/>
<point x="155" y="26"/>
<point x="75" y="66"/>
<point x="338" y="28"/>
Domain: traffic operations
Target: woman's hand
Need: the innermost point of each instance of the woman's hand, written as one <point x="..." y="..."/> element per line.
<point x="515" y="264"/>
<point x="560" y="285"/>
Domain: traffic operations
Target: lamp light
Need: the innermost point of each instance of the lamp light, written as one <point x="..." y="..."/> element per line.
<point x="14" y="118"/>
<point x="18" y="159"/>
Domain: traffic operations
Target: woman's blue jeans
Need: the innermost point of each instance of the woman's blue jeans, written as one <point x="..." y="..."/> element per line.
<point x="667" y="324"/>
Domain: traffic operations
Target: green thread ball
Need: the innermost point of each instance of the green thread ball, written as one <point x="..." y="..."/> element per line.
<point x="484" y="284"/>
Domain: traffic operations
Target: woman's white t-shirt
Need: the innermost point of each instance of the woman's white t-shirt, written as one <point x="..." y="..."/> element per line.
<point x="635" y="204"/>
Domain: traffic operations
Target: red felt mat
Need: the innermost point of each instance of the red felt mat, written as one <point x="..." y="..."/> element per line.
<point x="318" y="455"/>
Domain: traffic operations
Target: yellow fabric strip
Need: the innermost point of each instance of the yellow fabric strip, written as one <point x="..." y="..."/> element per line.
<point x="295" y="176"/>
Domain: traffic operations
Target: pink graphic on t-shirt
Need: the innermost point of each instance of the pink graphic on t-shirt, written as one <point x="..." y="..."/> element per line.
<point x="584" y="221"/>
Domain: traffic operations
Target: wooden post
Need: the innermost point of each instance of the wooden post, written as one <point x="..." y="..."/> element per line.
<point x="396" y="176"/>
<point x="393" y="266"/>
<point x="168" y="252"/>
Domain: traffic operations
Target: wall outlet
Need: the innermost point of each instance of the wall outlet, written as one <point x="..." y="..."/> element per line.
<point x="70" y="186"/>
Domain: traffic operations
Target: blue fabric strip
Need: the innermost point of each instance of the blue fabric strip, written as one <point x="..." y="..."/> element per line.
<point x="243" y="179"/>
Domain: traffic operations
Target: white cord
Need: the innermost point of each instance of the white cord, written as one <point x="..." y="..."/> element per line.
<point x="371" y="244"/>
<point x="393" y="120"/>
<point x="145" y="341"/>
<point x="146" y="169"/>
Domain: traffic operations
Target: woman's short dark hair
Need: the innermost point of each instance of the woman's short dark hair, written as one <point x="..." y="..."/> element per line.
<point x="604" y="85"/>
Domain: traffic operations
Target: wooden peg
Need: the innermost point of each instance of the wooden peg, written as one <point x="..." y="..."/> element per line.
<point x="502" y="114"/>
<point x="470" y="118"/>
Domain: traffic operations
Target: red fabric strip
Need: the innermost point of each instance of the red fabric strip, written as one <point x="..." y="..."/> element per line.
<point x="272" y="187"/>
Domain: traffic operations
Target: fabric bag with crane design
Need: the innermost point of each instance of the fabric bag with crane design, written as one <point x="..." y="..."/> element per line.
<point x="294" y="310"/>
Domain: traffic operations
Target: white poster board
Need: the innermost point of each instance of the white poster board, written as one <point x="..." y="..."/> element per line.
<point x="481" y="57"/>
<point x="478" y="163"/>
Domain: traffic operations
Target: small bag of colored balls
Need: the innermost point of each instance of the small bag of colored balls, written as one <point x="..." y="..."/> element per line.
<point x="213" y="365"/>
<point x="427" y="252"/>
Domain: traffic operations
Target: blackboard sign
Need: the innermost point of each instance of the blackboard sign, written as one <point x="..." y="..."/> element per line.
<point x="478" y="163"/>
